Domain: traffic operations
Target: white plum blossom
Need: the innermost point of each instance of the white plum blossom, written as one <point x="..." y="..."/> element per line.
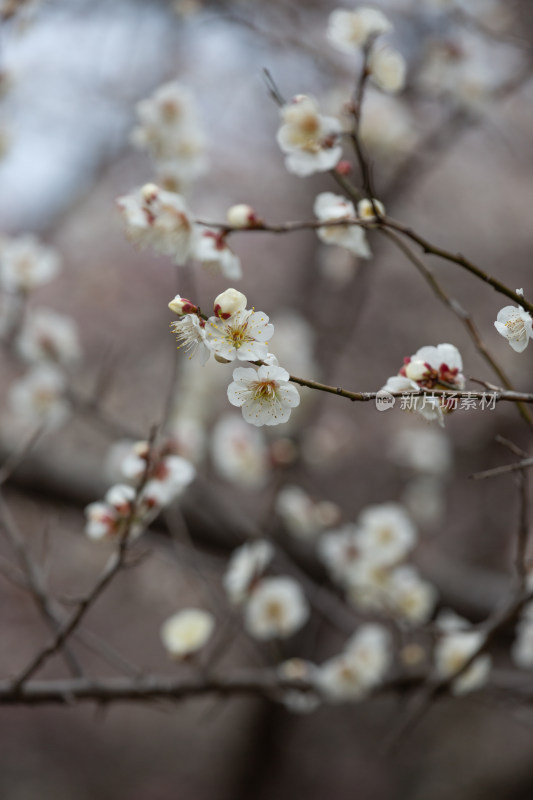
<point x="159" y="219"/>
<point x="430" y="368"/>
<point x="277" y="609"/>
<point x="171" y="476"/>
<point x="366" y="209"/>
<point x="169" y="130"/>
<point x="371" y="646"/>
<point x="190" y="333"/>
<point x="38" y="398"/>
<point x="213" y="251"/>
<point x="228" y="302"/>
<point x="108" y="519"/>
<point x="48" y="336"/>
<point x="296" y="670"/>
<point x="309" y="140"/>
<point x="453" y="651"/>
<point x="409" y="596"/>
<point x="350" y="30"/>
<point x="243" y="336"/>
<point x="516" y="325"/>
<point x="265" y="396"/>
<point x="187" y="632"/>
<point x="338" y="550"/>
<point x="239" y="452"/>
<point x="329" y="206"/>
<point x="245" y="567"/>
<point x="304" y="517"/>
<point x="361" y="667"/>
<point x="386" y="534"/>
<point x="26" y="263"/>
<point x="387" y="68"/>
<point x="387" y="127"/>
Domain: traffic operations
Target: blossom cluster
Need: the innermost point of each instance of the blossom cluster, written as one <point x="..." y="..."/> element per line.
<point x="273" y="607"/>
<point x="367" y="560"/>
<point x="169" y="130"/>
<point x="44" y="340"/>
<point x="430" y="368"/>
<point x="153" y="477"/>
<point x="235" y="333"/>
<point x="160" y="219"/>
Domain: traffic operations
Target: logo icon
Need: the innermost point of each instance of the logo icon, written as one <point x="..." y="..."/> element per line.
<point x="384" y="400"/>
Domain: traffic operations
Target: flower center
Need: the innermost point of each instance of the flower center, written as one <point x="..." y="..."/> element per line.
<point x="516" y="328"/>
<point x="265" y="390"/>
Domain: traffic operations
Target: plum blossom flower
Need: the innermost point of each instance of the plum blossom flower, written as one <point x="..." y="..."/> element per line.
<point x="387" y="69"/>
<point x="329" y="206"/>
<point x="309" y="140"/>
<point x="516" y="325"/>
<point x="159" y="219"/>
<point x="453" y="651"/>
<point x="366" y="209"/>
<point x="276" y="609"/>
<point x="410" y="597"/>
<point x="169" y="130"/>
<point x="48" y="336"/>
<point x="187" y="632"/>
<point x="243" y="336"/>
<point x="245" y="567"/>
<point x="213" y="251"/>
<point x="386" y="534"/>
<point x="190" y="333"/>
<point x="430" y="368"/>
<point x="109" y="518"/>
<point x="362" y="666"/>
<point x="26" y="263"/>
<point x="265" y="395"/>
<point x="38" y="398"/>
<point x="239" y="452"/>
<point x="169" y="478"/>
<point x="350" y="30"/>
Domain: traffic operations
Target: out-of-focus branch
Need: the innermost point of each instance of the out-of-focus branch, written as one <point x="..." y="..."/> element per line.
<point x="114" y="565"/>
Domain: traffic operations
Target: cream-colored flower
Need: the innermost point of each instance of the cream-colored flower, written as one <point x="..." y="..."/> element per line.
<point x="187" y="632"/>
<point x="276" y="609"/>
<point x="350" y="30"/>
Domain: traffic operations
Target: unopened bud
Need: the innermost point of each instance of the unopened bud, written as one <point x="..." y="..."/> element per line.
<point x="228" y="303"/>
<point x="241" y="216"/>
<point x="366" y="209"/>
<point x="416" y="370"/>
<point x="343" y="168"/>
<point x="149" y="192"/>
<point x="182" y="306"/>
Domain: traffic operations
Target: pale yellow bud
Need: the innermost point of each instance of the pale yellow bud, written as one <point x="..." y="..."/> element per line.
<point x="241" y="216"/>
<point x="228" y="303"/>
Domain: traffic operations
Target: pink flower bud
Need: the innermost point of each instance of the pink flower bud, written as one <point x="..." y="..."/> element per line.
<point x="182" y="306"/>
<point x="343" y="168"/>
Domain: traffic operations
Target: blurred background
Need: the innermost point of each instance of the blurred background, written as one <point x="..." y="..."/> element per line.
<point x="452" y="158"/>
